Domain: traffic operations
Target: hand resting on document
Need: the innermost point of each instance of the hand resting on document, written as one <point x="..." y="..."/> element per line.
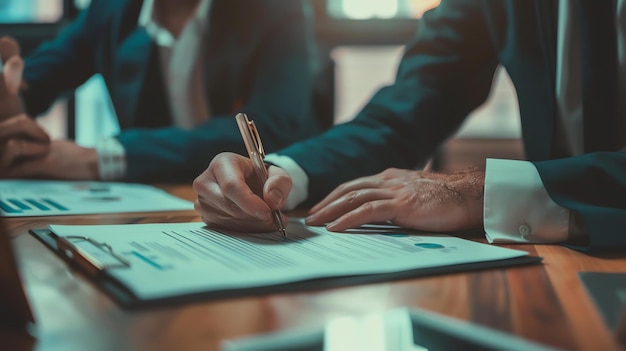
<point x="422" y="200"/>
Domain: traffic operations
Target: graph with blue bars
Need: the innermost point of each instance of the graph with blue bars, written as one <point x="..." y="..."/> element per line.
<point x="33" y="198"/>
<point x="25" y="205"/>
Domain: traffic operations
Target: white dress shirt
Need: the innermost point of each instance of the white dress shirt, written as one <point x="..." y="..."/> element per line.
<point x="517" y="207"/>
<point x="182" y="70"/>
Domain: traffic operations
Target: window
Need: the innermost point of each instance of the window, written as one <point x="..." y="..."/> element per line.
<point x="379" y="9"/>
<point x="31" y="11"/>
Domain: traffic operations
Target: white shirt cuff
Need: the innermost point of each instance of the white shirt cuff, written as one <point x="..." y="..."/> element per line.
<point x="111" y="159"/>
<point x="518" y="207"/>
<point x="300" y="190"/>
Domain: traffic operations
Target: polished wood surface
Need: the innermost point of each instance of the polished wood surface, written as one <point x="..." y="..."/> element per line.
<point x="545" y="303"/>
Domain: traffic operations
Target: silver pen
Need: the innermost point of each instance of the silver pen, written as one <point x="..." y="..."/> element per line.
<point x="255" y="150"/>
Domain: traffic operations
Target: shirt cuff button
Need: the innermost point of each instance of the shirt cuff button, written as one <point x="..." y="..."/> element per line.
<point x="524" y="230"/>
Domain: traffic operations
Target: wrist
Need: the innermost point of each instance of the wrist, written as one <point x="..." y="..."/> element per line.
<point x="91" y="165"/>
<point x="472" y="188"/>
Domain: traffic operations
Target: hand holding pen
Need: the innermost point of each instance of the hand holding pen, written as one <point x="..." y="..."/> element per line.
<point x="256" y="152"/>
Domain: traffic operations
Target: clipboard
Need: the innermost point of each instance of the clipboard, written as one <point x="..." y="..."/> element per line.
<point x="93" y="265"/>
<point x="102" y="265"/>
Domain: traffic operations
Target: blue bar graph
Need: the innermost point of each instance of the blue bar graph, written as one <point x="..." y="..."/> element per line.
<point x="29" y="206"/>
<point x="55" y="204"/>
<point x="19" y="204"/>
<point x="37" y="204"/>
<point x="6" y="208"/>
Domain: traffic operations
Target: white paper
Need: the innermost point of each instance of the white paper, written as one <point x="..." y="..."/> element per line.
<point x="24" y="198"/>
<point x="180" y="258"/>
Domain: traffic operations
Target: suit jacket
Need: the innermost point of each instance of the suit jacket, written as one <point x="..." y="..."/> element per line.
<point x="445" y="74"/>
<point x="260" y="59"/>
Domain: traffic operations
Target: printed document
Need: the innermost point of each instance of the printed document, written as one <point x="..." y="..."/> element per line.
<point x="182" y="258"/>
<point x="24" y="198"/>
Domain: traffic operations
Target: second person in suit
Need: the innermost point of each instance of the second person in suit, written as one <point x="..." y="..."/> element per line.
<point x="177" y="72"/>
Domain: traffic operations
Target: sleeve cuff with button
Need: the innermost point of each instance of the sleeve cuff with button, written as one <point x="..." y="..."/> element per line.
<point x="299" y="191"/>
<point x="518" y="208"/>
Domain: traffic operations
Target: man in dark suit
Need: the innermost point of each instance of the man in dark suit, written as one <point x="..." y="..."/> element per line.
<point x="177" y="73"/>
<point x="563" y="60"/>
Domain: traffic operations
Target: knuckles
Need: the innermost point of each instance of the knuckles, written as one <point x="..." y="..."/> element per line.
<point x="229" y="186"/>
<point x="198" y="185"/>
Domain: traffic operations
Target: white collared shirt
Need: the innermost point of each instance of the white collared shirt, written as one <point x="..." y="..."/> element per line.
<point x="183" y="78"/>
<point x="181" y="63"/>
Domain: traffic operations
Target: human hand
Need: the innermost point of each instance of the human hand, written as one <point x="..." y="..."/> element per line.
<point x="65" y="160"/>
<point x="419" y="200"/>
<point x="10" y="78"/>
<point x="230" y="196"/>
<point x="21" y="138"/>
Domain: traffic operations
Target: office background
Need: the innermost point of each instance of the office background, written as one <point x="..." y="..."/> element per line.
<point x="361" y="41"/>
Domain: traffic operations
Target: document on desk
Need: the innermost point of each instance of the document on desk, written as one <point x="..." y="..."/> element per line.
<point x="24" y="198"/>
<point x="171" y="260"/>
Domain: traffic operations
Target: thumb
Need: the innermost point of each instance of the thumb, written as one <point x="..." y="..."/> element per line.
<point x="8" y="48"/>
<point x="277" y="187"/>
<point x="13" y="70"/>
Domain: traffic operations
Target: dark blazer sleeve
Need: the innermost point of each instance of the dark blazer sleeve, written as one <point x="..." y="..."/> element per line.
<point x="279" y="102"/>
<point x="67" y="61"/>
<point x="444" y="74"/>
<point x="593" y="186"/>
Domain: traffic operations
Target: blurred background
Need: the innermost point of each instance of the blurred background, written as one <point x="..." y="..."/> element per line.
<point x="361" y="42"/>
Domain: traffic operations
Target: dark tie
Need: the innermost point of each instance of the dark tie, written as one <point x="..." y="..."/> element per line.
<point x="599" y="68"/>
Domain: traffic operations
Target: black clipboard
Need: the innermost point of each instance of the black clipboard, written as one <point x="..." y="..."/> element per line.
<point x="96" y="270"/>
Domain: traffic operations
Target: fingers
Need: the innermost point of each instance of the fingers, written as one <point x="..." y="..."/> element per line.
<point x="226" y="198"/>
<point x="221" y="212"/>
<point x="4" y="89"/>
<point x="13" y="69"/>
<point x="369" y="212"/>
<point x="354" y="185"/>
<point x="16" y="149"/>
<point x="212" y="194"/>
<point x="28" y="168"/>
<point x="277" y="187"/>
<point x="223" y="188"/>
<point x="232" y="175"/>
<point x="8" y="48"/>
<point x="23" y="126"/>
<point x="12" y="66"/>
<point x="345" y="204"/>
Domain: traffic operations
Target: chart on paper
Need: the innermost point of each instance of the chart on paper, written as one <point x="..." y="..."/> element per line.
<point x="24" y="205"/>
<point x="23" y="198"/>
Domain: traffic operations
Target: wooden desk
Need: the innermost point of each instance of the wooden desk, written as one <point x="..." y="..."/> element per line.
<point x="545" y="303"/>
